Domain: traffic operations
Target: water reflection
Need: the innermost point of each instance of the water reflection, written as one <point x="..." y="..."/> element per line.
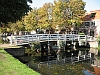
<point x="61" y="68"/>
<point x="86" y="72"/>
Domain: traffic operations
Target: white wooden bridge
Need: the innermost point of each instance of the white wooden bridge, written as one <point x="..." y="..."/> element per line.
<point x="26" y="39"/>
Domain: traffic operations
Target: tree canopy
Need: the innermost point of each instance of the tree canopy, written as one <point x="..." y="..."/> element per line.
<point x="12" y="10"/>
<point x="60" y="14"/>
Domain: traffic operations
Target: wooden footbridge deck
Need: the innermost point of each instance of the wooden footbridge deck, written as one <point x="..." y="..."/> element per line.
<point x="26" y="39"/>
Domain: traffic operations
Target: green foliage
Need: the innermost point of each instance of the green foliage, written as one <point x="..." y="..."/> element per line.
<point x="12" y="10"/>
<point x="33" y="48"/>
<point x="98" y="57"/>
<point x="67" y="13"/>
<point x="34" y="51"/>
<point x="14" y="27"/>
<point x="35" y="45"/>
<point x="31" y="20"/>
<point x="98" y="39"/>
<point x="1" y="40"/>
<point x="98" y="48"/>
<point x="62" y="44"/>
<point x="61" y="13"/>
<point x="81" y="33"/>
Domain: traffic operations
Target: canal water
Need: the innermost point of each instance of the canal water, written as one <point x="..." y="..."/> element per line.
<point x="60" y="67"/>
<point x="80" y="68"/>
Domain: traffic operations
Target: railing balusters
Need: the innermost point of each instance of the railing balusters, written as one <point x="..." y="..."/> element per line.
<point x="51" y="37"/>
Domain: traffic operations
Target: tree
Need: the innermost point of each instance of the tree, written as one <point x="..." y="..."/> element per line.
<point x="31" y="20"/>
<point x="45" y="16"/>
<point x="67" y="12"/>
<point x="12" y="10"/>
<point x="12" y="27"/>
<point x="62" y="14"/>
<point x="20" y="25"/>
<point x="39" y="18"/>
<point x="98" y="40"/>
<point x="15" y="27"/>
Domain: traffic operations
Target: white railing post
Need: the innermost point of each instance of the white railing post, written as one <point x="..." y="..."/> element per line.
<point x="11" y="40"/>
<point x="84" y="57"/>
<point x="78" y="58"/>
<point x="58" y="40"/>
<point x="37" y="37"/>
<point x="28" y="40"/>
<point x="65" y="39"/>
<point x="90" y="58"/>
<point x="16" y="41"/>
<point x="32" y="37"/>
<point x="78" y="37"/>
<point x="85" y="38"/>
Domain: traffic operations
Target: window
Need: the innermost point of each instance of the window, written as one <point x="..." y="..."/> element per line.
<point x="92" y="15"/>
<point x="93" y="23"/>
<point x="86" y="23"/>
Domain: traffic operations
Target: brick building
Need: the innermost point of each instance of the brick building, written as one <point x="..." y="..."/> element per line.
<point x="92" y="23"/>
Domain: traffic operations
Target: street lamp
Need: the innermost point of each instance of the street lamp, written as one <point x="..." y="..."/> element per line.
<point x="72" y="34"/>
<point x="49" y="17"/>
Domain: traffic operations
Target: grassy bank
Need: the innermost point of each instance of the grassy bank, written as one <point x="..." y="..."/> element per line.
<point x="11" y="66"/>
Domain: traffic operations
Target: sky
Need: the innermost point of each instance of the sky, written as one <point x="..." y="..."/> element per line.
<point x="90" y="4"/>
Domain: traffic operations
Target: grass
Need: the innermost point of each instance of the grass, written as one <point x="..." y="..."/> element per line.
<point x="11" y="66"/>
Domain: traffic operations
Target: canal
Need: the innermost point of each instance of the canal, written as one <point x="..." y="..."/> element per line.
<point x="50" y="65"/>
<point x="60" y="67"/>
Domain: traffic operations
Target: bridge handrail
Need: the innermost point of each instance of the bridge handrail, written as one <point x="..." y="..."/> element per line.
<point x="49" y="37"/>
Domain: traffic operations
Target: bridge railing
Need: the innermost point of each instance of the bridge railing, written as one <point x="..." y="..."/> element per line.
<point x="48" y="37"/>
<point x="53" y="37"/>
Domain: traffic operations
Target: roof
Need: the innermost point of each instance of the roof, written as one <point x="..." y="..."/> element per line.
<point x="97" y="70"/>
<point x="92" y="15"/>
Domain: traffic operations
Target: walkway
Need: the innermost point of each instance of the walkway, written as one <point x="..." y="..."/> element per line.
<point x="96" y="62"/>
<point x="7" y="46"/>
<point x="96" y="66"/>
<point x="26" y="39"/>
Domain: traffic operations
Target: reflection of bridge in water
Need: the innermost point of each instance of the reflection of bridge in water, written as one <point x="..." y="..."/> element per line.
<point x="72" y="58"/>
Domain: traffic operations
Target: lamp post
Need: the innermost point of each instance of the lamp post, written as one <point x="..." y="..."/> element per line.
<point x="49" y="17"/>
<point x="72" y="34"/>
<point x="57" y="31"/>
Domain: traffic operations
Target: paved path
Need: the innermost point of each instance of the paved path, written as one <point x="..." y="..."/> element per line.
<point x="97" y="62"/>
<point x="7" y="46"/>
<point x="93" y="50"/>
